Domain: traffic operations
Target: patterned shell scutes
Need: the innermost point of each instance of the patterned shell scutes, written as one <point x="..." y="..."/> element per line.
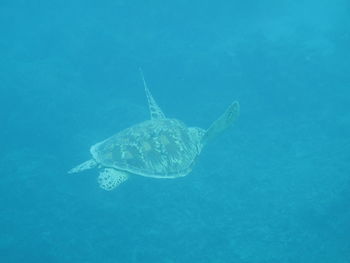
<point x="154" y="148"/>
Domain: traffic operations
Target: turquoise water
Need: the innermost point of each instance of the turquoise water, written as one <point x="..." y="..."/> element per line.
<point x="274" y="188"/>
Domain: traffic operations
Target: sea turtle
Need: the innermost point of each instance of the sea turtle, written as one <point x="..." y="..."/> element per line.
<point x="159" y="148"/>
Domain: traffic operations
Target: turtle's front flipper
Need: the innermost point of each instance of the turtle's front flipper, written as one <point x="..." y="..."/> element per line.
<point x="83" y="166"/>
<point x="221" y="124"/>
<point x="155" y="110"/>
<point x="110" y="178"/>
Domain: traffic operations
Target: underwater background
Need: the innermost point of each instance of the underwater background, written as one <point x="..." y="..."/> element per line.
<point x="274" y="188"/>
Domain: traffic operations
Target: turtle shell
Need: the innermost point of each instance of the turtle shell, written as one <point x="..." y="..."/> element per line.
<point x="162" y="148"/>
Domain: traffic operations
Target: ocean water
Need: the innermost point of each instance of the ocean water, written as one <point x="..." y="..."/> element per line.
<point x="273" y="188"/>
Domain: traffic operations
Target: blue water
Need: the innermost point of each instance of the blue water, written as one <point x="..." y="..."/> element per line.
<point x="273" y="189"/>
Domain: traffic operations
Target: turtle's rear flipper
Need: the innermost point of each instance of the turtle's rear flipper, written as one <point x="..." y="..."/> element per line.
<point x="83" y="166"/>
<point x="221" y="124"/>
<point x="110" y="178"/>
